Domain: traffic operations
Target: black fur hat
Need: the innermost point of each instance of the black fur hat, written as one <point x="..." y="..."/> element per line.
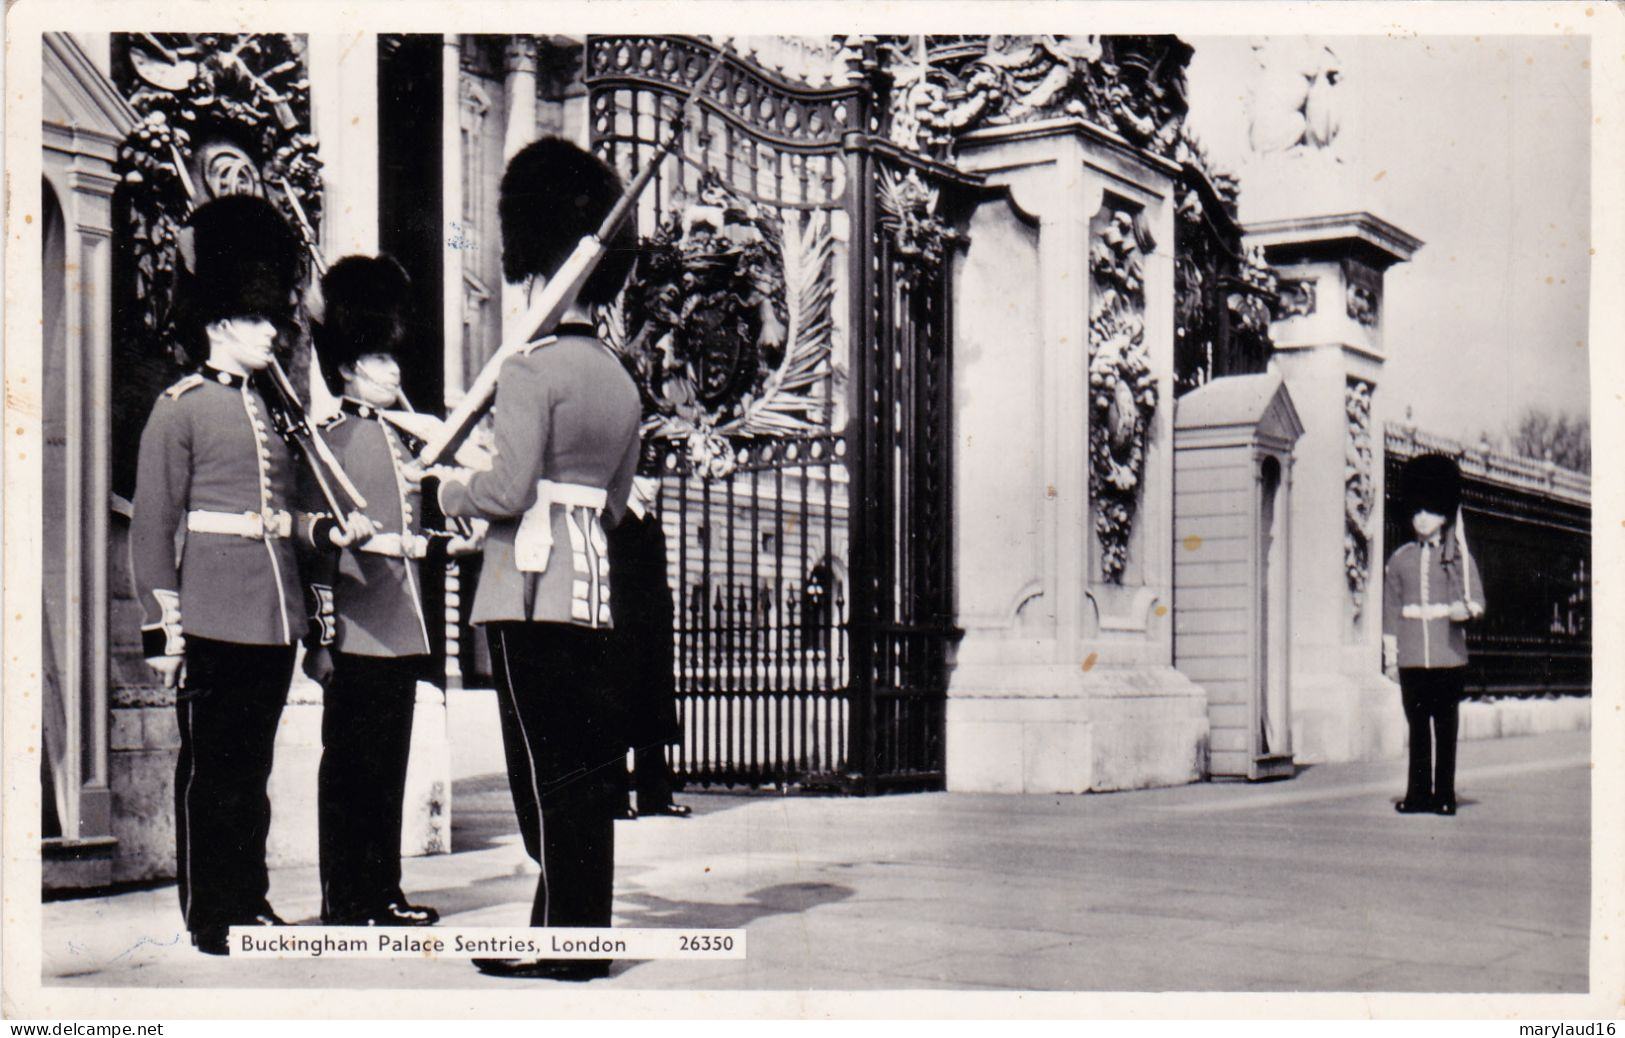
<point x="1431" y="482"/>
<point x="553" y="195"/>
<point x="244" y="261"/>
<point x="367" y="308"/>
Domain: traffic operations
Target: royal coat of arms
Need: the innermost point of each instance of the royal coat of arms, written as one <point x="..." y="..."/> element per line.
<point x="726" y="325"/>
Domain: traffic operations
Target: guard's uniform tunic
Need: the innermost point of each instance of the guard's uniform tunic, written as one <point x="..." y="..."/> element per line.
<point x="380" y="641"/>
<point x="214" y="471"/>
<point x="1421" y="581"/>
<point x="566" y="443"/>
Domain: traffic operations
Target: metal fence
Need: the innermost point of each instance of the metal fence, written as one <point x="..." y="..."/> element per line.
<point x="1529" y="528"/>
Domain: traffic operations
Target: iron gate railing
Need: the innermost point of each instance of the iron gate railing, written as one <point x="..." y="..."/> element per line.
<point x="788" y="324"/>
<point x="1529" y="527"/>
<point x="761" y="636"/>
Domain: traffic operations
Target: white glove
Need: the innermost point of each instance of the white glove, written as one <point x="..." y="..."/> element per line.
<point x="360" y="529"/>
<point x="172" y="669"/>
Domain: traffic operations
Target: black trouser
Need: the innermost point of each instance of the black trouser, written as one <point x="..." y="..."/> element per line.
<point x="1432" y="695"/>
<point x="366" y="736"/>
<point x="228" y="709"/>
<point x="641" y="602"/>
<point x="651" y="779"/>
<point x="564" y="738"/>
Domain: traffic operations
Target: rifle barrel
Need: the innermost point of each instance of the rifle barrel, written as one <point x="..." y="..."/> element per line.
<point x="322" y="455"/>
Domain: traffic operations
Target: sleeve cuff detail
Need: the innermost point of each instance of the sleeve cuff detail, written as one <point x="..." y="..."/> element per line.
<point x="322" y="530"/>
<point x="161" y="641"/>
<point x="322" y="619"/>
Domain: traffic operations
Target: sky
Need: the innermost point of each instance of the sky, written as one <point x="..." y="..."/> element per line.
<point x="1480" y="147"/>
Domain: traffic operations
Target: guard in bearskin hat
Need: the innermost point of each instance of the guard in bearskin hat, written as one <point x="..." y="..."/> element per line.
<point x="566" y="418"/>
<point x="221" y="623"/>
<point x="375" y="647"/>
<point x="1431" y="590"/>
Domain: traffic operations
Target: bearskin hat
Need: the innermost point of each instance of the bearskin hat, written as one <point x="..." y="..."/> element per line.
<point x="1432" y="483"/>
<point x="245" y="262"/>
<point x="367" y="308"/>
<point x="553" y="195"/>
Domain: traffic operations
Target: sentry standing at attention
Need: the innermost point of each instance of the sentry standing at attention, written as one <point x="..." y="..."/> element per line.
<point x="565" y="444"/>
<point x="374" y="646"/>
<point x="1431" y="590"/>
<point x="222" y="615"/>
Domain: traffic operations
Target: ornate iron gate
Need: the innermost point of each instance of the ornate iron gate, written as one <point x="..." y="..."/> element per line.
<point x="788" y="326"/>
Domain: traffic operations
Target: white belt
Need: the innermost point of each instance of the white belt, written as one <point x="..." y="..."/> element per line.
<point x="255" y="526"/>
<point x="533" y="542"/>
<point x="396" y="545"/>
<point x="1431" y="611"/>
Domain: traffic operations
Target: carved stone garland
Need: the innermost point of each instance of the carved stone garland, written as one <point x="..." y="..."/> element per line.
<point x="227" y="113"/>
<point x="726" y="326"/>
<point x="1122" y="385"/>
<point x="1359" y="491"/>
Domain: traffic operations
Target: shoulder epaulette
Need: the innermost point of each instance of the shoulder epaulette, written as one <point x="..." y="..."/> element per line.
<point x="532" y="347"/>
<point x="333" y="421"/>
<point x="191" y="381"/>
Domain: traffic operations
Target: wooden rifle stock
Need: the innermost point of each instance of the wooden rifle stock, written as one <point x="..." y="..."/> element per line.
<point x="560" y="292"/>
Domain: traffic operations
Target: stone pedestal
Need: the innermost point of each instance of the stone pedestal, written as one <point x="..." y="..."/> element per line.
<point x="1063" y="681"/>
<point x="1329" y="349"/>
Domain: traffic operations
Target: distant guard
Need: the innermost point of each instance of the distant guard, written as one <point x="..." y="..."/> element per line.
<point x="1431" y="591"/>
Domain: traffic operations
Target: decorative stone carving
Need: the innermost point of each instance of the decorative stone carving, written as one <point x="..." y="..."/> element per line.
<point x="1293" y="103"/>
<point x="1364" y="293"/>
<point x="221" y="114"/>
<point x="1362" y="305"/>
<point x="1122" y="385"/>
<point x="1249" y="302"/>
<point x="227" y="170"/>
<point x="1359" y="498"/>
<point x="1297" y="297"/>
<point x="519" y="56"/>
<point x="944" y="86"/>
<point x="726" y="325"/>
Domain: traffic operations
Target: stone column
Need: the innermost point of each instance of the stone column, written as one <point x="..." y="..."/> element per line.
<point x="344" y="107"/>
<point x="451" y="215"/>
<point x="1064" y="679"/>
<point x="1329" y="348"/>
<point x="79" y="155"/>
<point x="520" y="129"/>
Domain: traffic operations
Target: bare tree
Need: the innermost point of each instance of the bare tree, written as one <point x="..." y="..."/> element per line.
<point x="1542" y="434"/>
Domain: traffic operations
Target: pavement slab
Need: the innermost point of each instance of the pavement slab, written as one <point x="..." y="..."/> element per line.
<point x="1311" y="884"/>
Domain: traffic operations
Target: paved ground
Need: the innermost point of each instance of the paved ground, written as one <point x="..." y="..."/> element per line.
<point x="1309" y="885"/>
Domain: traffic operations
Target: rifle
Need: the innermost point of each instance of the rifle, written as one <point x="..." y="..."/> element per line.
<point x="544" y="313"/>
<point x="288" y="415"/>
